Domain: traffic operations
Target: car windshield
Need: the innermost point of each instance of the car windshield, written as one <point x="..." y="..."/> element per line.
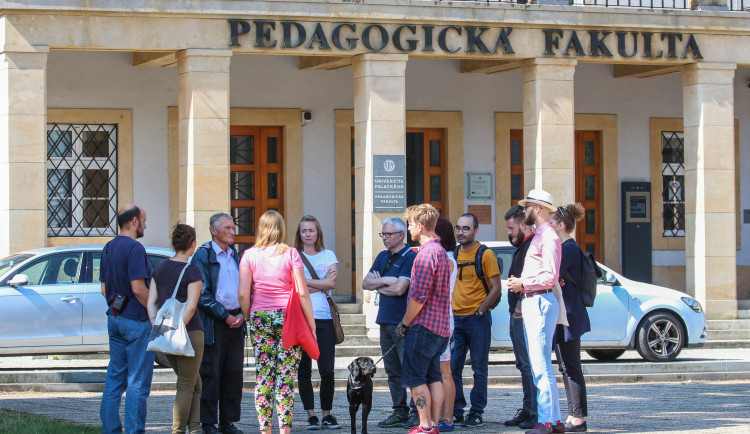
<point x="9" y="262"/>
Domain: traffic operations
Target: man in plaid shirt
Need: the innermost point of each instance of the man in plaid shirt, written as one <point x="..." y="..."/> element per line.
<point x="427" y="319"/>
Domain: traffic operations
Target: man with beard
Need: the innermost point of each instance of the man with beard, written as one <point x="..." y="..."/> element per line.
<point x="539" y="306"/>
<point x="520" y="235"/>
<point x="472" y="301"/>
<point x="125" y="273"/>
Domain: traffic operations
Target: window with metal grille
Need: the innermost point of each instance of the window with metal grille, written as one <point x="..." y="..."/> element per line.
<point x="673" y="183"/>
<point x="81" y="180"/>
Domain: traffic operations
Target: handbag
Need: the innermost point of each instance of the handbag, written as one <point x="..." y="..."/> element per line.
<point x="295" y="330"/>
<point x="169" y="334"/>
<point x="335" y="316"/>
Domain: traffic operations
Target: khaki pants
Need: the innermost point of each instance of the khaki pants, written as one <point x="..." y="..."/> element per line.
<point x="186" y="411"/>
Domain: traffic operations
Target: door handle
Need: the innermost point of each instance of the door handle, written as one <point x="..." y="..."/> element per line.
<point x="70" y="299"/>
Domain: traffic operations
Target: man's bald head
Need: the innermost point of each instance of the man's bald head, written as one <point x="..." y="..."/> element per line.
<point x="127" y="213"/>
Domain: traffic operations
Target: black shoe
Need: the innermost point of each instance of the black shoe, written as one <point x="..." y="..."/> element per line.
<point x="395" y="420"/>
<point x="528" y="423"/>
<point x="330" y="422"/>
<point x="521" y="415"/>
<point x="210" y="429"/>
<point x="228" y="428"/>
<point x="412" y="421"/>
<point x="313" y="423"/>
<point x="569" y="427"/>
<point x="473" y="420"/>
<point x="458" y="419"/>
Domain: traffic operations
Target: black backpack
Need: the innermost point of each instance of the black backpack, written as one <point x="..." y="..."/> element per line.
<point x="478" y="268"/>
<point x="590" y="274"/>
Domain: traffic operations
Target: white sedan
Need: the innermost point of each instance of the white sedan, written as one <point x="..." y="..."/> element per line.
<point x="51" y="301"/>
<point x="658" y="322"/>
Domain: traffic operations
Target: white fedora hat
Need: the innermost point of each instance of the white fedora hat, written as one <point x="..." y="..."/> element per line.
<point x="539" y="197"/>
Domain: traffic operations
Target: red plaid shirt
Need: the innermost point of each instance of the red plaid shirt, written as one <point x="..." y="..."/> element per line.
<point x="430" y="286"/>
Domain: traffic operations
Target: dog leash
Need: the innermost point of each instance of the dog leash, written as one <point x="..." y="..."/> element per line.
<point x="389" y="349"/>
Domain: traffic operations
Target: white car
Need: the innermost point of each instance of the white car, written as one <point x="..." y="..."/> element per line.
<point x="51" y="301"/>
<point x="658" y="322"/>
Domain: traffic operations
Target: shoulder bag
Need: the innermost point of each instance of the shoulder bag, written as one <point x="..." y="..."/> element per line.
<point x="169" y="334"/>
<point x="331" y="304"/>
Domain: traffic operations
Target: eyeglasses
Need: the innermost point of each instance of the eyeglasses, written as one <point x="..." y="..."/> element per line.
<point x="561" y="210"/>
<point x="463" y="228"/>
<point x="388" y="234"/>
<point x="528" y="205"/>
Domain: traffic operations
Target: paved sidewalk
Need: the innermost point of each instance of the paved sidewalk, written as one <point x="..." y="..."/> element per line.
<point x="697" y="407"/>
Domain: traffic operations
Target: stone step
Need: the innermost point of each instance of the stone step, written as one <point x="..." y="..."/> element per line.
<point x="743" y="304"/>
<point x="743" y="314"/>
<point x="721" y="335"/>
<point x="358" y="340"/>
<point x="353" y="319"/>
<point x="502" y="373"/>
<point x="728" y="324"/>
<point x="354" y="329"/>
<point x="349" y="308"/>
<point x="731" y="343"/>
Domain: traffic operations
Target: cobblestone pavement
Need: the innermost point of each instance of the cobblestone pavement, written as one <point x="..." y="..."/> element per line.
<point x="696" y="407"/>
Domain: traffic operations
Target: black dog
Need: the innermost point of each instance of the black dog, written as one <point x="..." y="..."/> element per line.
<point x="359" y="390"/>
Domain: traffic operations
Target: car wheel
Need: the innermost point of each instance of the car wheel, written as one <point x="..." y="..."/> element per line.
<point x="660" y="337"/>
<point x="605" y="355"/>
<point x="161" y="360"/>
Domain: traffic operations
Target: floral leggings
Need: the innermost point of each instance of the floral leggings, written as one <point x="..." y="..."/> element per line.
<point x="276" y="369"/>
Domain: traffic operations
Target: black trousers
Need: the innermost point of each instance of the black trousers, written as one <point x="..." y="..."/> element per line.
<point x="327" y="344"/>
<point x="569" y="362"/>
<point x="221" y="374"/>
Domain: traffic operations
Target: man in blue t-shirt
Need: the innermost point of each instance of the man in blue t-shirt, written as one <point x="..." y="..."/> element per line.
<point x="389" y="277"/>
<point x="125" y="274"/>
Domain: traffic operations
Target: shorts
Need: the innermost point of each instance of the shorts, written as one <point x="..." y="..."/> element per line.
<point x="422" y="349"/>
<point x="446" y="356"/>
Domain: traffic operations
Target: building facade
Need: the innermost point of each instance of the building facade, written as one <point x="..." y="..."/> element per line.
<point x="350" y="110"/>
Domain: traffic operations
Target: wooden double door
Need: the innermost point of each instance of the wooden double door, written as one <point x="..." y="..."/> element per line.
<point x="256" y="178"/>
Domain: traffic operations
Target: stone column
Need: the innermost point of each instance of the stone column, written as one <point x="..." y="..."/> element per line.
<point x="379" y="129"/>
<point x="23" y="148"/>
<point x="710" y="214"/>
<point x="548" y="129"/>
<point x="204" y="136"/>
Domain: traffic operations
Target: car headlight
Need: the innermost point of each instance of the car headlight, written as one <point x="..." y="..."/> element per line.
<point x="692" y="303"/>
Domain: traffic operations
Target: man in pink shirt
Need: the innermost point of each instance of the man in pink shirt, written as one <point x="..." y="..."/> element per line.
<point x="539" y="307"/>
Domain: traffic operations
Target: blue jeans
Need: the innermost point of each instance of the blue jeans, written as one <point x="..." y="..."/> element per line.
<point x="471" y="333"/>
<point x="518" y="338"/>
<point x="130" y="367"/>
<point x="392" y="365"/>
<point x="540" y="314"/>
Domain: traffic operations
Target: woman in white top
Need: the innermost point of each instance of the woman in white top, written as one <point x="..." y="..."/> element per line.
<point x="309" y="241"/>
<point x="444" y="229"/>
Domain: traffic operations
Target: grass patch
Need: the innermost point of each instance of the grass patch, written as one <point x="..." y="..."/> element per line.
<point x="24" y="423"/>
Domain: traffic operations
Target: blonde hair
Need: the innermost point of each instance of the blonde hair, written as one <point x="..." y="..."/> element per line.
<point x="271" y="231"/>
<point x="424" y="214"/>
<point x="320" y="245"/>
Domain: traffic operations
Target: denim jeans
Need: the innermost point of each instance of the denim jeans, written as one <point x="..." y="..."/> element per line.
<point x="518" y="338"/>
<point x="540" y="314"/>
<point x="471" y="333"/>
<point x="130" y="369"/>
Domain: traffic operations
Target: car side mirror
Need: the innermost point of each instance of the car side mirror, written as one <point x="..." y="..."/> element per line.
<point x="18" y="280"/>
<point x="611" y="279"/>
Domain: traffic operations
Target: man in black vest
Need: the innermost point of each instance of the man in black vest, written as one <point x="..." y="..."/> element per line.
<point x="520" y="235"/>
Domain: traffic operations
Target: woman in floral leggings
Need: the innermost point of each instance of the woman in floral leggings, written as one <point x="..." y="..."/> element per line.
<point x="269" y="273"/>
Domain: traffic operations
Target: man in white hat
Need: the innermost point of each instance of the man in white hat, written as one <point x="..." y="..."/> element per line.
<point x="539" y="306"/>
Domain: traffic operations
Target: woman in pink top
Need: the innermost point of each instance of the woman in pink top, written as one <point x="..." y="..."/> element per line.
<point x="269" y="272"/>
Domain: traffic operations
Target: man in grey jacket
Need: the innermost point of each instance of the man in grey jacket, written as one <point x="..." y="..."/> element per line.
<point x="219" y="308"/>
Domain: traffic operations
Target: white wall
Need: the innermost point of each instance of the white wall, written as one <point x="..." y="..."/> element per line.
<point x="108" y="80"/>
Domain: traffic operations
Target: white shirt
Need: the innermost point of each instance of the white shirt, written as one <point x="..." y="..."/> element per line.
<point x="228" y="280"/>
<point x="320" y="262"/>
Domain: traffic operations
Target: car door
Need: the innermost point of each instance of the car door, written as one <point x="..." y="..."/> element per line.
<point x="48" y="310"/>
<point x="609" y="315"/>
<point x="95" y="306"/>
<point x="500" y="315"/>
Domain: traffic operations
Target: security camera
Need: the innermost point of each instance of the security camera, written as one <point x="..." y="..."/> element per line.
<point x="306" y="118"/>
